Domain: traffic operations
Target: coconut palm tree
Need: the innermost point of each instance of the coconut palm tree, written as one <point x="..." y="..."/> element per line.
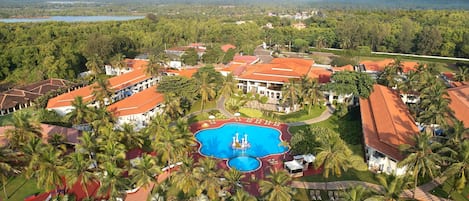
<point x="242" y="195"/>
<point x="109" y="148"/>
<point x="88" y="145"/>
<point x="422" y="158"/>
<point x="112" y="182"/>
<point x="6" y="169"/>
<point x="333" y="155"/>
<point x="48" y="169"/>
<point x="95" y="64"/>
<point x="145" y="171"/>
<point x="172" y="106"/>
<point x="81" y="113"/>
<point x="79" y="168"/>
<point x="311" y="93"/>
<point x="458" y="171"/>
<point x="154" y="66"/>
<point x="102" y="91"/>
<point x="129" y="137"/>
<point x="229" y="86"/>
<point x="25" y="128"/>
<point x="393" y="186"/>
<point x="276" y="186"/>
<point x="434" y="104"/>
<point x="206" y="90"/>
<point x="118" y="61"/>
<point x="208" y="176"/>
<point x="463" y="74"/>
<point x="290" y="93"/>
<point x="356" y="193"/>
<point x="185" y="179"/>
<point x="458" y="134"/>
<point x="101" y="118"/>
<point x="233" y="179"/>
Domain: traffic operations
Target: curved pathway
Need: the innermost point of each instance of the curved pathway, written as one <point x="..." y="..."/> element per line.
<point x="421" y="193"/>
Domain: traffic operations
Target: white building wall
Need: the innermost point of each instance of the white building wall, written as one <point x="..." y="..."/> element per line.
<point x="382" y="163"/>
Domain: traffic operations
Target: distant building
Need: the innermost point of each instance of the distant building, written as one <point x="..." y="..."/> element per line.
<point x="386" y="124"/>
<point x="22" y="97"/>
<point x="460" y="102"/>
<point x="131" y="64"/>
<point x="70" y="135"/>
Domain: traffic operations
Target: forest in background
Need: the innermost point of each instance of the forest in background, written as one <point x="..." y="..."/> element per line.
<point x="36" y="51"/>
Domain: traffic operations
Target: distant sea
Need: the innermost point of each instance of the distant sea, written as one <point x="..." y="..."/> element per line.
<point x="72" y="19"/>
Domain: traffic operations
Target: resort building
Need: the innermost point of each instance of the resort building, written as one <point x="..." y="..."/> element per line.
<point x="460" y="102"/>
<point x="130" y="65"/>
<point x="23" y="97"/>
<point x="124" y="85"/>
<point x="70" y="135"/>
<point x="387" y="124"/>
<point x="180" y="50"/>
<point x="268" y="79"/>
<point x="138" y="109"/>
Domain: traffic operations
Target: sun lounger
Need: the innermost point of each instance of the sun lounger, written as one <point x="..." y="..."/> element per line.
<point x="331" y="195"/>
<point x="318" y="195"/>
<point x="312" y="195"/>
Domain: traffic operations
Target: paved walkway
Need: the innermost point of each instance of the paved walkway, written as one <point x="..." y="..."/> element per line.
<point x="324" y="116"/>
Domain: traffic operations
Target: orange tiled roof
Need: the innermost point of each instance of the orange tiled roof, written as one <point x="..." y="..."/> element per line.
<point x="343" y="68"/>
<point x="460" y="103"/>
<point x="282" y="69"/>
<point x="380" y="65"/>
<point x="386" y="122"/>
<point x="246" y="59"/>
<point x="136" y="63"/>
<point x="138" y="103"/>
<point x="226" y="47"/>
<point x="116" y="83"/>
<point x="71" y="135"/>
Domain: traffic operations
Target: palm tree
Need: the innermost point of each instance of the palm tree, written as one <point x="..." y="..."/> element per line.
<point x="79" y="168"/>
<point x="25" y="128"/>
<point x="207" y="175"/>
<point x="393" y="186"/>
<point x="102" y="91"/>
<point x="242" y="195"/>
<point x="206" y="90"/>
<point x="154" y="66"/>
<point x="458" y="171"/>
<point x="118" y="61"/>
<point x="145" y="171"/>
<point x="172" y="105"/>
<point x="112" y="182"/>
<point x="229" y="86"/>
<point x="290" y="93"/>
<point x="6" y="169"/>
<point x="95" y="64"/>
<point x="434" y="105"/>
<point x="463" y="74"/>
<point x="101" y="118"/>
<point x="311" y="93"/>
<point x="110" y="149"/>
<point x="356" y="193"/>
<point x="458" y="134"/>
<point x="333" y="155"/>
<point x="48" y="169"/>
<point x="422" y="158"/>
<point x="129" y="137"/>
<point x="81" y="113"/>
<point x="277" y="187"/>
<point x="233" y="178"/>
<point x="88" y="145"/>
<point x="185" y="179"/>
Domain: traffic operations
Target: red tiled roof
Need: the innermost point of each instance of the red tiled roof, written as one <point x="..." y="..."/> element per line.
<point x="139" y="103"/>
<point x="71" y="135"/>
<point x="136" y="63"/>
<point x="343" y="68"/>
<point x="226" y="47"/>
<point x="244" y="59"/>
<point x="380" y="65"/>
<point x="116" y="83"/>
<point x="386" y="122"/>
<point x="460" y="103"/>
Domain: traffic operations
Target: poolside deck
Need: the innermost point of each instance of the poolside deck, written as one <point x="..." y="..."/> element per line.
<point x="268" y="163"/>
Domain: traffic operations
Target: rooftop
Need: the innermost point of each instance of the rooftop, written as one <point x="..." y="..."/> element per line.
<point x="460" y="102"/>
<point x="70" y="134"/>
<point x="139" y="103"/>
<point x="380" y="65"/>
<point x="386" y="122"/>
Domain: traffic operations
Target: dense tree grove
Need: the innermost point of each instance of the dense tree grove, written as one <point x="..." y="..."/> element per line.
<point x="34" y="51"/>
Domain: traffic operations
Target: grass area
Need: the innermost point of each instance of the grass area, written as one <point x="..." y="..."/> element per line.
<point x="19" y="188"/>
<point x="208" y="105"/>
<point x="302" y="115"/>
<point x="443" y="190"/>
<point x="204" y="116"/>
<point x="249" y="112"/>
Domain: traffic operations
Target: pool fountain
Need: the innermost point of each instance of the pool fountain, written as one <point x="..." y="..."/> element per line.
<point x="243" y="145"/>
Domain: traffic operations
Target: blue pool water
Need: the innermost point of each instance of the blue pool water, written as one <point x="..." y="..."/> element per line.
<point x="217" y="142"/>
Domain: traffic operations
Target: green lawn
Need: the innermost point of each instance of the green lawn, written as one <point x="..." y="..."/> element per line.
<point x="302" y="115"/>
<point x="350" y="175"/>
<point x="208" y="105"/>
<point x="249" y="112"/>
<point x="19" y="188"/>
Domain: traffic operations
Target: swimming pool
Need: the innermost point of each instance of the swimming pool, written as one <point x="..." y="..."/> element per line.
<point x="228" y="142"/>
